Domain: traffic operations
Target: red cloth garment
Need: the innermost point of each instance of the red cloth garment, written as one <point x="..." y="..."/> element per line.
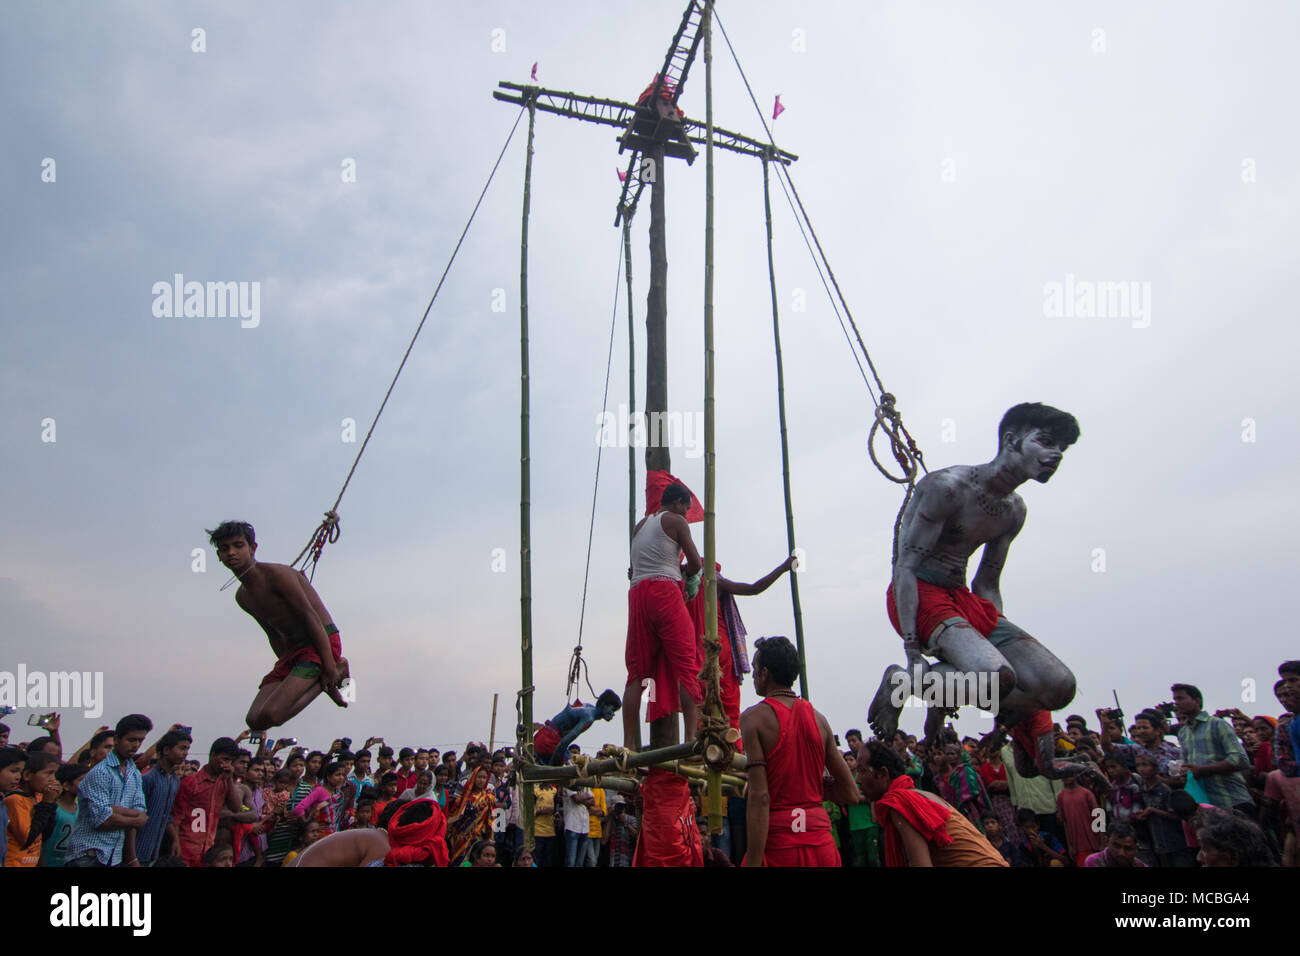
<point x="934" y="605"/>
<point x="655" y="484"/>
<point x="669" y="836"/>
<point x="661" y="645"/>
<point x="798" y="828"/>
<point x="927" y="817"/>
<point x="423" y="841"/>
<point x="301" y="655"/>
<point x="1026" y="731"/>
<point x="197" y="809"/>
<point x="546" y="740"/>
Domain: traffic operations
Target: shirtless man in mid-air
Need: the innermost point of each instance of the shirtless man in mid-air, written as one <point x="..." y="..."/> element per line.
<point x="302" y="634"/>
<point x="953" y="512"/>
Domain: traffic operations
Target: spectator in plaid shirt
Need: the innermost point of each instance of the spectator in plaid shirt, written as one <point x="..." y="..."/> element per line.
<point x="1211" y="752"/>
<point x="111" y="803"/>
<point x="622" y="841"/>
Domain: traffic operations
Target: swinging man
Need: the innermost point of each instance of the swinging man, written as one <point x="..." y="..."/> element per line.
<point x="302" y="634"/>
<point x="953" y="512"/>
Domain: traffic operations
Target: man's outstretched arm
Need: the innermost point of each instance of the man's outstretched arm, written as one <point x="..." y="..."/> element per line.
<point x="759" y="586"/>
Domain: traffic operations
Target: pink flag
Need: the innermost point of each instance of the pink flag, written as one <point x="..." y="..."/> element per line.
<point x="534" y="71"/>
<point x="622" y="176"/>
<point x="777" y="109"/>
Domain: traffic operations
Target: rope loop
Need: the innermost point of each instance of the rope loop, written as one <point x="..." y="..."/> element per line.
<point x="890" y="421"/>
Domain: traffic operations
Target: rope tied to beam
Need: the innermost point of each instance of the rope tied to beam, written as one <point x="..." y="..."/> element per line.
<point x="327" y="531"/>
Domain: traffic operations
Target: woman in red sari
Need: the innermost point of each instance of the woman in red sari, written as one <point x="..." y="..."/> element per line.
<point x="470" y="816"/>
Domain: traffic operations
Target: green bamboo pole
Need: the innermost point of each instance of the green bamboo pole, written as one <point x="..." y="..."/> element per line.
<point x="631" y="380"/>
<point x="525" y="731"/>
<point x="785" y="444"/>
<point x="713" y="696"/>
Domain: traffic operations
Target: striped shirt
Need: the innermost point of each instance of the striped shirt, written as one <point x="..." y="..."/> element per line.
<point x="1208" y="740"/>
<point x="105" y="787"/>
<point x="160" y="795"/>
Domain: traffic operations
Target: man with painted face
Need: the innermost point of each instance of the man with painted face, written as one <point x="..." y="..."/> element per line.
<point x="551" y="742"/>
<point x="953" y="512"/>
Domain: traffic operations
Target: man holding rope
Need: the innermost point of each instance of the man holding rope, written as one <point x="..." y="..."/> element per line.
<point x="302" y="634"/>
<point x="955" y="511"/>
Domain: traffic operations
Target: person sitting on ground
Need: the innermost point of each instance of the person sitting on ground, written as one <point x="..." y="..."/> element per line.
<point x="1227" y="839"/>
<point x="1044" y="848"/>
<point x="351" y="848"/>
<point x="920" y="828"/>
<point x="1121" y="848"/>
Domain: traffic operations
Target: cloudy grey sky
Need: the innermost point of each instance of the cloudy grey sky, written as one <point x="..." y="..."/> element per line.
<point x="956" y="161"/>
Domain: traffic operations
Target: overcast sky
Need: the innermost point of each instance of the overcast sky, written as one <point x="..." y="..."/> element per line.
<point x="957" y="160"/>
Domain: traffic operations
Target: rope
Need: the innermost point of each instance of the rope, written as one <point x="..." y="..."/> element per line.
<point x="327" y="531"/>
<point x="908" y="455"/>
<point x="886" y="416"/>
<point x="576" y="664"/>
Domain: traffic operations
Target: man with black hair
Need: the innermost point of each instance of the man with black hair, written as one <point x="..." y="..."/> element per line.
<point x="111" y="806"/>
<point x="4" y="736"/>
<point x="1121" y="848"/>
<point x="13" y="760"/>
<point x="1212" y="754"/>
<point x="308" y="651"/>
<point x="661" y="649"/>
<point x="789" y="745"/>
<point x="200" y="799"/>
<point x="551" y="742"/>
<point x="161" y="785"/>
<point x="953" y="512"/>
<point x="920" y="828"/>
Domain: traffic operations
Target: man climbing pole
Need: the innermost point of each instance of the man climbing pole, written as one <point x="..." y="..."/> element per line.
<point x="953" y="512"/>
<point x="733" y="658"/>
<point x="302" y="633"/>
<point x="661" y="647"/>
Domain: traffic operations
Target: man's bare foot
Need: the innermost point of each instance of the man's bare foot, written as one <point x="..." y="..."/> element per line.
<point x="888" y="702"/>
<point x="934" y="719"/>
<point x="333" y="693"/>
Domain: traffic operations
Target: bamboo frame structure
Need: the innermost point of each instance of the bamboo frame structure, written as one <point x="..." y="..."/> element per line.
<point x="525" y="728"/>
<point x="713" y="695"/>
<point x="785" y="441"/>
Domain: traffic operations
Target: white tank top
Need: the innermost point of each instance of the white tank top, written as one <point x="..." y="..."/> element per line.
<point x="654" y="554"/>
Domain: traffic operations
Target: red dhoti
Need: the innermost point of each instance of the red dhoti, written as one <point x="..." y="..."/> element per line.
<point x="669" y="836"/>
<point x="661" y="645"/>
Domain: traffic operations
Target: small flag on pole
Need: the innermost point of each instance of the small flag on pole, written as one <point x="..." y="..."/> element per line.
<point x="622" y="176"/>
<point x="534" y="71"/>
<point x="777" y="109"/>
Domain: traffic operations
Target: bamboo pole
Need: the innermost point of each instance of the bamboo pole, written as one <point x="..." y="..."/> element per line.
<point x="525" y="727"/>
<point x="631" y="380"/>
<point x="492" y="733"/>
<point x="713" y="697"/>
<point x="785" y="444"/>
<point x="646" y="758"/>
